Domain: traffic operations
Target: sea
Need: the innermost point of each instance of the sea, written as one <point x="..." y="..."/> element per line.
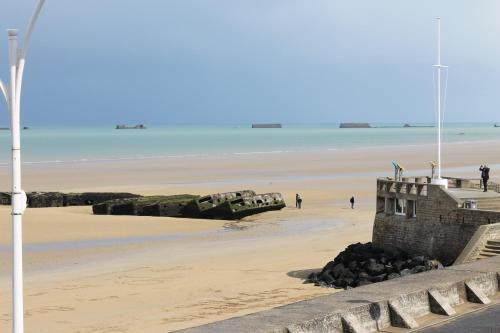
<point x="103" y="143"/>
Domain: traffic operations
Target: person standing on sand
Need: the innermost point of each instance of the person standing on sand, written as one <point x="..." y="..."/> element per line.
<point x="485" y="176"/>
<point x="352" y="202"/>
<point x="298" y="201"/>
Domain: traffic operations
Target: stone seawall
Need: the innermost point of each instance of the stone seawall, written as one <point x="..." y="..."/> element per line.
<point x="441" y="229"/>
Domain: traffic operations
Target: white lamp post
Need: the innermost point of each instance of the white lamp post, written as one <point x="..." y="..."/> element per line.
<point x="12" y="94"/>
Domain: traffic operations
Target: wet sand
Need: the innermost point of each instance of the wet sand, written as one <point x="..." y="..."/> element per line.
<point x="88" y="273"/>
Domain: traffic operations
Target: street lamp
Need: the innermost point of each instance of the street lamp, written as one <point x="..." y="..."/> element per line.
<point x="12" y="94"/>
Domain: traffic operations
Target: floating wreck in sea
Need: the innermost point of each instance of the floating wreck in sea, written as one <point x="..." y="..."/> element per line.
<point x="355" y="125"/>
<point x="267" y="126"/>
<point x="140" y="126"/>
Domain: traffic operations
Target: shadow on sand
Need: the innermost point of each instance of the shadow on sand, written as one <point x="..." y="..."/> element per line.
<point x="303" y="274"/>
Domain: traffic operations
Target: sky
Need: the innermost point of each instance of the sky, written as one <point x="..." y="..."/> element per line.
<point x="169" y="62"/>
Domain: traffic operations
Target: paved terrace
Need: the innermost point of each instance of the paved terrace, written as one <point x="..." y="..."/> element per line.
<point x="401" y="305"/>
<point x="485" y="200"/>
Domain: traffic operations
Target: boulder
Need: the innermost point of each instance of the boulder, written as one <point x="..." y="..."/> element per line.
<point x="375" y="269"/>
<point x="418" y="269"/>
<point x="363" y="282"/>
<point x="339" y="271"/>
<point x="405" y="272"/>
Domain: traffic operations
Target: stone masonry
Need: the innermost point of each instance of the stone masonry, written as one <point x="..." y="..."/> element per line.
<point x="421" y="218"/>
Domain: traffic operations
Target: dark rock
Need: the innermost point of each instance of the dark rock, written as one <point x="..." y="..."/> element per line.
<point x="348" y="282"/>
<point x="375" y="269"/>
<point x="328" y="278"/>
<point x="353" y="265"/>
<point x="389" y="268"/>
<point x="393" y="276"/>
<point x="342" y="283"/>
<point x="418" y="261"/>
<point x="312" y="278"/>
<point x="418" y="269"/>
<point x="329" y="266"/>
<point x="379" y="278"/>
<point x="339" y="271"/>
<point x="398" y="265"/>
<point x="405" y="272"/>
<point x="363" y="282"/>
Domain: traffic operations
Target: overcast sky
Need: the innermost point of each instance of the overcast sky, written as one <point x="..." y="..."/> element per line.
<point x="241" y="61"/>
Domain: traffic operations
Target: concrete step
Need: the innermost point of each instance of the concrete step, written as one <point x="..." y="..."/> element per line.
<point x="491" y="251"/>
<point x="492" y="247"/>
<point x="495" y="242"/>
<point x="485" y="254"/>
<point x="479" y="257"/>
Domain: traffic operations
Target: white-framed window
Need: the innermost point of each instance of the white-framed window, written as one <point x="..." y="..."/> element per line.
<point x="400" y="207"/>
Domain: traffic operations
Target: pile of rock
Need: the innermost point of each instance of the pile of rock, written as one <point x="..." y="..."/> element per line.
<point x="362" y="264"/>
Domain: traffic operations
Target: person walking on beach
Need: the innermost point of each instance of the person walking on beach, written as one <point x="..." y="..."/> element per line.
<point x="485" y="176"/>
<point x="298" y="201"/>
<point x="352" y="202"/>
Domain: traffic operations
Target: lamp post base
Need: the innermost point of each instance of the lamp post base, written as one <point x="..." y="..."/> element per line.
<point x="440" y="182"/>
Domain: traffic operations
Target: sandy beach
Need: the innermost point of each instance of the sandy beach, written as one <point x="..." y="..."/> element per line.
<point x="86" y="273"/>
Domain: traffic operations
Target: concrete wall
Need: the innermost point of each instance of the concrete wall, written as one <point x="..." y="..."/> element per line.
<point x="441" y="229"/>
<point x="389" y="306"/>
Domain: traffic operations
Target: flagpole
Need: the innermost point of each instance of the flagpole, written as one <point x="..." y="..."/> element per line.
<point x="439" y="67"/>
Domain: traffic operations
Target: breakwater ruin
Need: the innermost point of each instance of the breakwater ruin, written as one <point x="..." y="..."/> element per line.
<point x="222" y="206"/>
<point x="58" y="199"/>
